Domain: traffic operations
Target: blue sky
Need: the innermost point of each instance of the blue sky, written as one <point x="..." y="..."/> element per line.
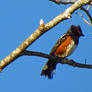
<point x="18" y="20"/>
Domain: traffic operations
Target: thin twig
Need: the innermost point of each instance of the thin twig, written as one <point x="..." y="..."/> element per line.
<point x="88" y="14"/>
<point x="84" y="19"/>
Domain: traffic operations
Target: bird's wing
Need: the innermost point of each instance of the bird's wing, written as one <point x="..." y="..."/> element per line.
<point x="60" y="41"/>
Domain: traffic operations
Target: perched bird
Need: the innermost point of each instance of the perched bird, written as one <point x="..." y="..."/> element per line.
<point x="63" y="48"/>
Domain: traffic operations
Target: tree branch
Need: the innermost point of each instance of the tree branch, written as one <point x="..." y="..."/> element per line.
<point x="89" y="16"/>
<point x="57" y="59"/>
<point x="64" y="1"/>
<point x="80" y="14"/>
<point x="40" y="31"/>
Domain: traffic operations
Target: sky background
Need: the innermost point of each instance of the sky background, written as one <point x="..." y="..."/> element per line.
<point x="18" y="20"/>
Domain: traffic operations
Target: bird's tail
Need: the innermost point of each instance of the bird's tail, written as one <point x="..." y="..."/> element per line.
<point x="49" y="69"/>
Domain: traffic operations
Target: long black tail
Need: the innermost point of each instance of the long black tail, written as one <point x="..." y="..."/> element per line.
<point x="49" y="68"/>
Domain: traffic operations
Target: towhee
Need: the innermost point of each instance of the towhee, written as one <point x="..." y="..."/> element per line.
<point x="63" y="48"/>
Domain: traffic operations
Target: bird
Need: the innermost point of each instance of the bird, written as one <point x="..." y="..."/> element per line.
<point x="63" y="48"/>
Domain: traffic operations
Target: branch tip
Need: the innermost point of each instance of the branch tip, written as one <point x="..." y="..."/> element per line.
<point x="41" y="23"/>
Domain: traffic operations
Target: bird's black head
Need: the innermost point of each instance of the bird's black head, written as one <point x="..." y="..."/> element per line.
<point x="75" y="30"/>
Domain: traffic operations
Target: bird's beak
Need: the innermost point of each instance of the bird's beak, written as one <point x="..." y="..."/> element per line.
<point x="82" y="34"/>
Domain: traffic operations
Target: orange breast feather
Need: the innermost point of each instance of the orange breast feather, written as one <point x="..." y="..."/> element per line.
<point x="62" y="48"/>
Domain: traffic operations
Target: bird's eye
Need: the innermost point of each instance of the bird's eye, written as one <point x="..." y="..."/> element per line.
<point x="78" y="31"/>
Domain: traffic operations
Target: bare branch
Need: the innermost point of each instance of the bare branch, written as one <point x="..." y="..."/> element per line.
<point x="57" y="59"/>
<point x="88" y="14"/>
<point x="84" y="19"/>
<point x="40" y="31"/>
<point x="64" y="1"/>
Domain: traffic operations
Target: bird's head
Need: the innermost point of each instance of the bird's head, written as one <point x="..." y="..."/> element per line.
<point x="75" y="30"/>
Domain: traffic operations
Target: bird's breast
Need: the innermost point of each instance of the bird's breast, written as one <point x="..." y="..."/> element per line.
<point x="66" y="48"/>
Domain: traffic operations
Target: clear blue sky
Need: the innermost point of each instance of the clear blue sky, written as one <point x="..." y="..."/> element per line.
<point x="18" y="20"/>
